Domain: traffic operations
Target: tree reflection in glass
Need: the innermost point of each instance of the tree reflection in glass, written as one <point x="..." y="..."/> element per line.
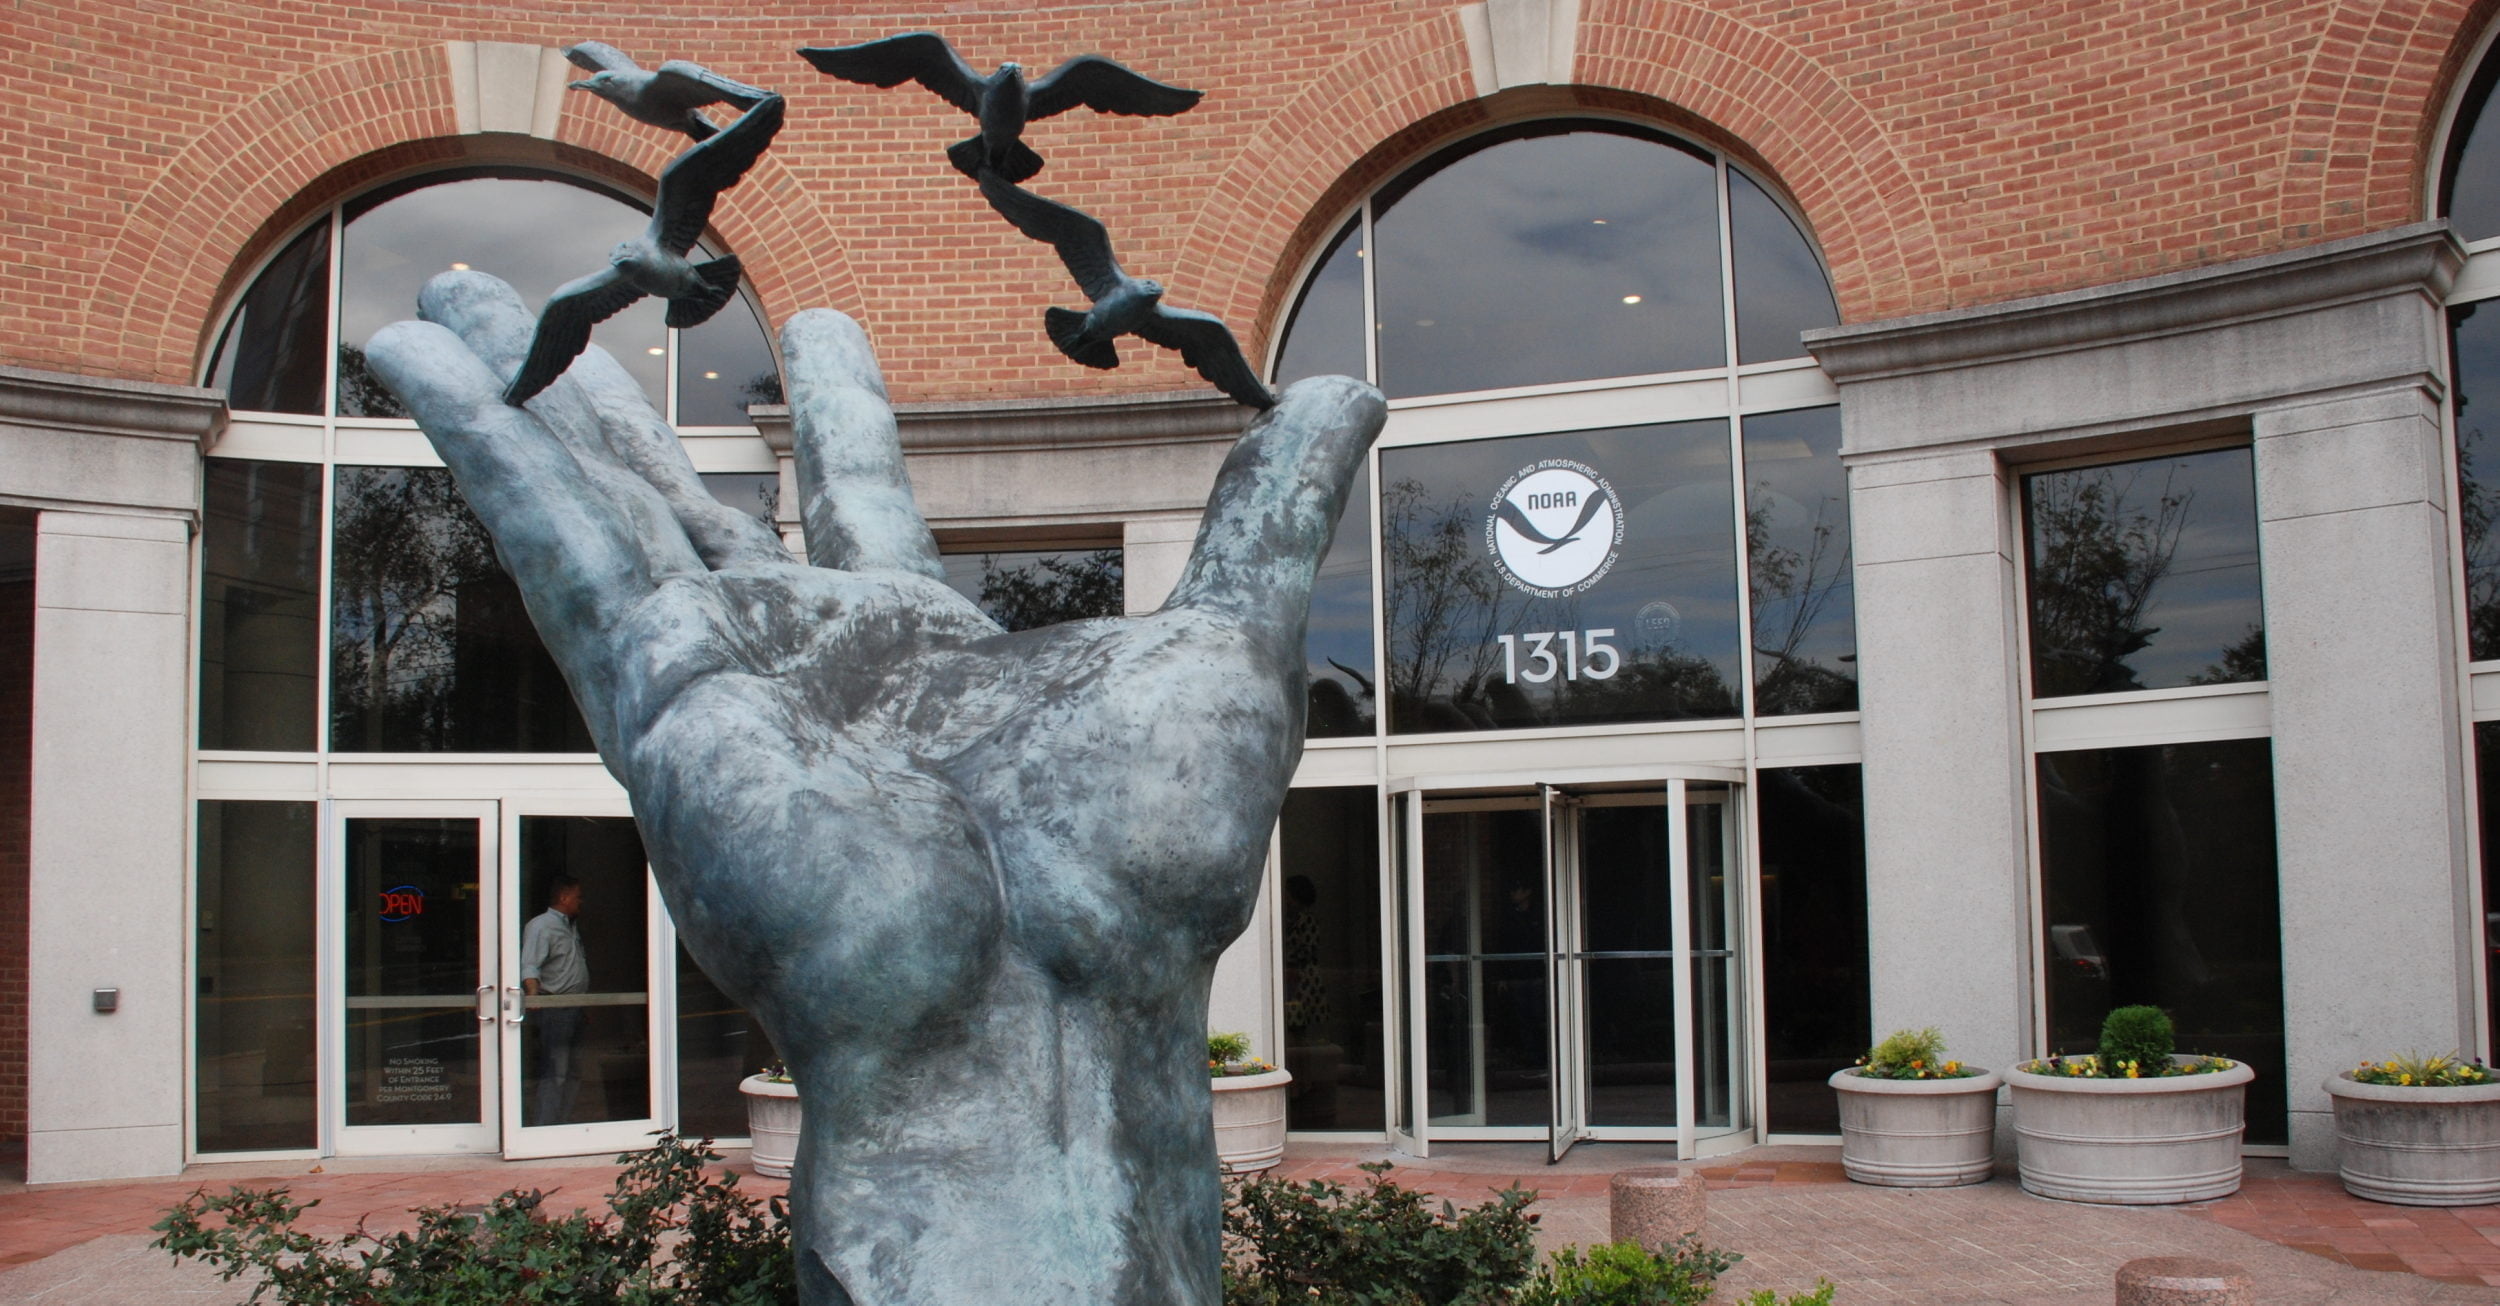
<point x="2143" y="575"/>
<point x="1021" y="591"/>
<point x="2475" y="356"/>
<point x="430" y="648"/>
<point x="1648" y="635"/>
<point x="270" y="358"/>
<point x="723" y="366"/>
<point x="1548" y="252"/>
<point x="1804" y="601"/>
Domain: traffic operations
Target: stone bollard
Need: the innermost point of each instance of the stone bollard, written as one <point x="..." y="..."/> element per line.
<point x="1657" y="1207"/>
<point x="2184" y="1281"/>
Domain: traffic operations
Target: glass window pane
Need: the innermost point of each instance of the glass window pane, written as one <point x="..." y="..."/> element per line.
<point x="1617" y="602"/>
<point x="718" y="1044"/>
<point x="260" y="582"/>
<point x="1338" y="647"/>
<point x="1797" y="546"/>
<point x="1329" y="854"/>
<point x="2475" y="354"/>
<point x="412" y="951"/>
<point x="586" y="1044"/>
<point x="1325" y="335"/>
<point x="535" y="232"/>
<point x="256" y="1017"/>
<point x="1780" y="287"/>
<point x="430" y="648"/>
<point x="1628" y="1003"/>
<point x="2144" y="575"/>
<point x="271" y="358"/>
<point x="1548" y="252"/>
<point x="2487" y="810"/>
<point x="723" y="366"/>
<point x="1815" y="1002"/>
<point x="2158" y="869"/>
<point x="1040" y="588"/>
<point x="2471" y="181"/>
<point x="755" y="493"/>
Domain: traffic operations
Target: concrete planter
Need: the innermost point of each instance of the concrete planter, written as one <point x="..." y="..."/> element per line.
<point x="1918" y="1133"/>
<point x="2417" y="1146"/>
<point x="1250" y="1120"/>
<point x="772" y="1124"/>
<point x="2130" y="1142"/>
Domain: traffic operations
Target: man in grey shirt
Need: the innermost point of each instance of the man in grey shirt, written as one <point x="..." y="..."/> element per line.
<point x="553" y="963"/>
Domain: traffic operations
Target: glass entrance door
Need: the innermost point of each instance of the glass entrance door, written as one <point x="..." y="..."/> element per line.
<point x="579" y="938"/>
<point x="490" y="981"/>
<point x="1573" y="965"/>
<point x="413" y="1020"/>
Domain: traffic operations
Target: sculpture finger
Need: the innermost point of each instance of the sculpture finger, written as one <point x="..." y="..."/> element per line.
<point x="491" y="320"/>
<point x="1277" y="500"/>
<point x="854" y="495"/>
<point x="571" y="551"/>
<point x="722" y="536"/>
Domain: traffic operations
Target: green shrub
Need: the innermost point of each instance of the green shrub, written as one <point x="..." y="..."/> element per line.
<point x="1382" y="1245"/>
<point x="2138" y="1037"/>
<point x="735" y="1251"/>
<point x="1628" y="1274"/>
<point x="1911" y="1054"/>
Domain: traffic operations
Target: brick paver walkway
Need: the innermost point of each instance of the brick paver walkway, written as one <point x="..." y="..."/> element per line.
<point x="1787" y="1209"/>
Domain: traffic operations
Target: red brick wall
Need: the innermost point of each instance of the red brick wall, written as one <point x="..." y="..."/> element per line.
<point x="1946" y="152"/>
<point x="17" y="663"/>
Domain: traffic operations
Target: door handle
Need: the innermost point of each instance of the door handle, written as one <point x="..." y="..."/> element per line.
<point x="485" y="1003"/>
<point x="514" y="1012"/>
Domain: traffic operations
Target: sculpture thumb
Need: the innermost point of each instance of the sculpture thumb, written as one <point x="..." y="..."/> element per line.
<point x="1276" y="504"/>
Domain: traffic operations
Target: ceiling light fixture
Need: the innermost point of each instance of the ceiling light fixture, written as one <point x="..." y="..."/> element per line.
<point x="459" y="267"/>
<point x="1631" y="299"/>
<point x="656" y="350"/>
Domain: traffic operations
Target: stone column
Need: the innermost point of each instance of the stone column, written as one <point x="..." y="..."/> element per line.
<point x="1940" y="688"/>
<point x="2371" y="786"/>
<point x="110" y="807"/>
<point x="113" y="469"/>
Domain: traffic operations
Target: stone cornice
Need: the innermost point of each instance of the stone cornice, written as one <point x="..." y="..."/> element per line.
<point x="135" y="409"/>
<point x="2422" y="258"/>
<point x="1164" y="417"/>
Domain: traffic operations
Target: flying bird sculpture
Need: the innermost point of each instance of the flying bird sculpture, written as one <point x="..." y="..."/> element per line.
<point x="1123" y="305"/>
<point x="655" y="262"/>
<point x="671" y="96"/>
<point x="1003" y="101"/>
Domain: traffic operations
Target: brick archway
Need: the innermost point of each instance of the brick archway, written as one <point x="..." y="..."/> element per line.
<point x="301" y="145"/>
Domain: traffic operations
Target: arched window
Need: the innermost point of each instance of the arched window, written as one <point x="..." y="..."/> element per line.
<point x="534" y="230"/>
<point x="1611" y="482"/>
<point x="395" y="630"/>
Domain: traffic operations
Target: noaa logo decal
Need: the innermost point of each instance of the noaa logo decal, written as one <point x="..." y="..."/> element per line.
<point x="1555" y="528"/>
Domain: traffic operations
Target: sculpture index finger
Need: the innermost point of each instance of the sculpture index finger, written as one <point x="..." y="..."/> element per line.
<point x="1277" y="500"/>
<point x="855" y="497"/>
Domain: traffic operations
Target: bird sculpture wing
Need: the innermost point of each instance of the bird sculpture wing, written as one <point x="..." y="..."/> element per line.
<point x="1106" y="87"/>
<point x="692" y="84"/>
<point x="600" y="57"/>
<point x="1082" y="243"/>
<point x="1207" y="345"/>
<point x="564" y="329"/>
<point x="694" y="180"/>
<point x="922" y="57"/>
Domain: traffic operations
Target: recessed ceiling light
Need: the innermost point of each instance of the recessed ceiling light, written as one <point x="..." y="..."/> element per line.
<point x="1631" y="299"/>
<point x="1597" y="222"/>
<point x="1423" y="321"/>
<point x="656" y="350"/>
<point x="459" y="267"/>
<point x="711" y="376"/>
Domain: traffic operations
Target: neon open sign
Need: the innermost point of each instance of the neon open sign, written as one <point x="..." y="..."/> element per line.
<point x="403" y="902"/>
